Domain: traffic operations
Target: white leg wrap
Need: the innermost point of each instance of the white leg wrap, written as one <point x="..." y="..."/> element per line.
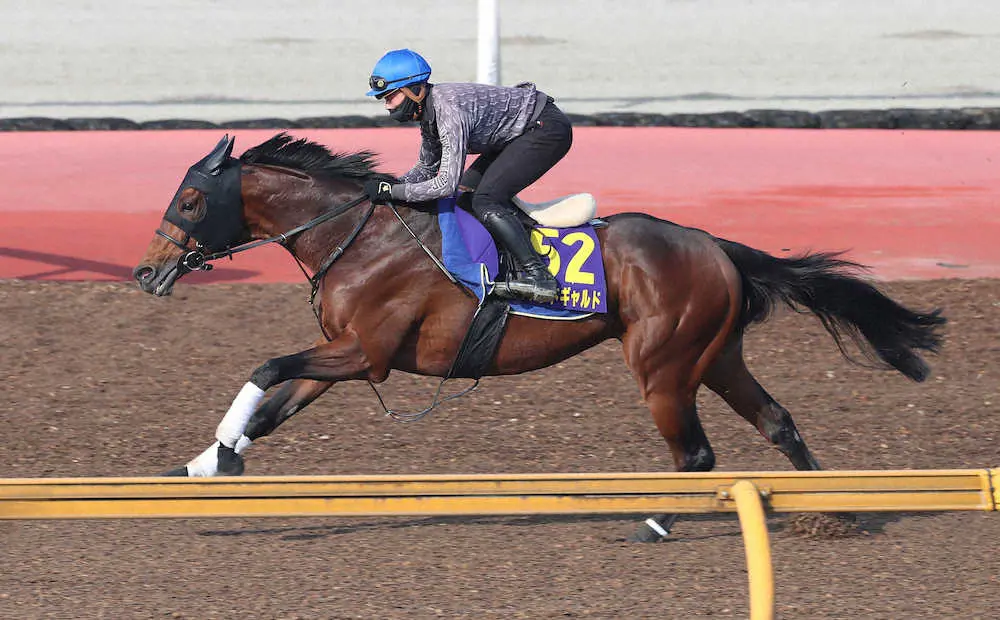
<point x="656" y="527"/>
<point x="235" y="421"/>
<point x="206" y="464"/>
<point x="244" y="443"/>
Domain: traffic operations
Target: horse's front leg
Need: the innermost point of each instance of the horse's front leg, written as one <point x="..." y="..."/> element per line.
<point x="291" y="397"/>
<point x="339" y="360"/>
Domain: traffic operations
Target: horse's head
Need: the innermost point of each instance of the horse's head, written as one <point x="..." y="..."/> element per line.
<point x="205" y="216"/>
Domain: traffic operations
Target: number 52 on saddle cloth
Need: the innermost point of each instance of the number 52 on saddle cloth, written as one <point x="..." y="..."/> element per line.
<point x="573" y="256"/>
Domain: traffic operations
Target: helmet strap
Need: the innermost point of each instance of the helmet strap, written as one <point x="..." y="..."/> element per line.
<point x="418" y="97"/>
<point x="412" y="108"/>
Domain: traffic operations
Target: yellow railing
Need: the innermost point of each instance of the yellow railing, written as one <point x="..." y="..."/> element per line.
<point x="748" y="493"/>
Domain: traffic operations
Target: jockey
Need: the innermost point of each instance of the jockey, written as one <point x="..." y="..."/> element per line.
<point x="518" y="132"/>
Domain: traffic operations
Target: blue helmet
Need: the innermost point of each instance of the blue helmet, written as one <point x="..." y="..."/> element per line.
<point x="397" y="69"/>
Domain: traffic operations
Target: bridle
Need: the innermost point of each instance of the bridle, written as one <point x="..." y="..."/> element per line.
<point x="218" y="232"/>
<point x="200" y="258"/>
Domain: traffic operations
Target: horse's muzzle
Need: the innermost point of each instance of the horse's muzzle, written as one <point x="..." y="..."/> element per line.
<point x="145" y="275"/>
<point x="151" y="281"/>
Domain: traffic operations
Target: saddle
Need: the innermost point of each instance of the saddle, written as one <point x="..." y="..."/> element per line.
<point x="565" y="212"/>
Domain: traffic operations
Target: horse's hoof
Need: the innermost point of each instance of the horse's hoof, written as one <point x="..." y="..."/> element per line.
<point x="230" y="463"/>
<point x="180" y="472"/>
<point x="654" y="529"/>
<point x="645" y="534"/>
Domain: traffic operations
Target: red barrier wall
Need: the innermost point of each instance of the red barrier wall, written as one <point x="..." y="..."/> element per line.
<point x="913" y="204"/>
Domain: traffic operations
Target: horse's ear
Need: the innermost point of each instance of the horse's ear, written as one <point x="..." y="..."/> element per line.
<point x="223" y="150"/>
<point x="229" y="146"/>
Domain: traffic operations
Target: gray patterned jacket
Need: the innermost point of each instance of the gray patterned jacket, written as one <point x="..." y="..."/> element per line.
<point x="460" y="119"/>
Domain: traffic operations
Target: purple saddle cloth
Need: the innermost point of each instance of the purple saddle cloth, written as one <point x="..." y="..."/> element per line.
<point x="572" y="254"/>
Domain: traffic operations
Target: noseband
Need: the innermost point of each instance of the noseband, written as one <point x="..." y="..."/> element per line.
<point x="190" y="260"/>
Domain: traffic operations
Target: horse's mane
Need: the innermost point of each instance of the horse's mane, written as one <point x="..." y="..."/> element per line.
<point x="283" y="150"/>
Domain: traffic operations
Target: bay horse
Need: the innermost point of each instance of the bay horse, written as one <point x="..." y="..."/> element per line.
<point x="679" y="300"/>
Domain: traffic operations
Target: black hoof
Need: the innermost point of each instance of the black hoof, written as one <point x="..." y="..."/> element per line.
<point x="654" y="529"/>
<point x="230" y="463"/>
<point x="180" y="472"/>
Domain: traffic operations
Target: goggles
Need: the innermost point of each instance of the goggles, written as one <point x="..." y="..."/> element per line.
<point x="379" y="83"/>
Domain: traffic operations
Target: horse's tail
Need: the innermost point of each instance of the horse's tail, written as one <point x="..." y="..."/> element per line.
<point x="886" y="332"/>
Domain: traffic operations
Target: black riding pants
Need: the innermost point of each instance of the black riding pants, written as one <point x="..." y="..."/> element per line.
<point x="501" y="175"/>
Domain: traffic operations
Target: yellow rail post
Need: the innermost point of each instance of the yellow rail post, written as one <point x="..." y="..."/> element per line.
<point x="760" y="572"/>
<point x="995" y="485"/>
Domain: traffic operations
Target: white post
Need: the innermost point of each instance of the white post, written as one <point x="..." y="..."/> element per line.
<point x="488" y="68"/>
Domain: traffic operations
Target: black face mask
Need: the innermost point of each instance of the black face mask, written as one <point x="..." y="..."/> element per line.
<point x="222" y="225"/>
<point x="217" y="176"/>
<point x="407" y="111"/>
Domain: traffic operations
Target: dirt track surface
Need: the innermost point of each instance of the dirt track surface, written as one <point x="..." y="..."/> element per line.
<point x="103" y="380"/>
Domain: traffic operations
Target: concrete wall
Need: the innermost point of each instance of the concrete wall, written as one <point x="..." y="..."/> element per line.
<point x="220" y="61"/>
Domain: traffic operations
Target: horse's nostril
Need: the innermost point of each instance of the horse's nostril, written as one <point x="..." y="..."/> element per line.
<point x="143" y="273"/>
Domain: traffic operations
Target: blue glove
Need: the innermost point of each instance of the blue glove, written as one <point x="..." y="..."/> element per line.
<point x="379" y="192"/>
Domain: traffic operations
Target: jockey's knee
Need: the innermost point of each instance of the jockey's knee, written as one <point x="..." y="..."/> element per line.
<point x="485" y="205"/>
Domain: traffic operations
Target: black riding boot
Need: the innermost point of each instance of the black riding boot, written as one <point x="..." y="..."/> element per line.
<point x="533" y="281"/>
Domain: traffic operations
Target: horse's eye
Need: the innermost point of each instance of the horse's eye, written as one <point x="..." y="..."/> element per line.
<point x="187" y="207"/>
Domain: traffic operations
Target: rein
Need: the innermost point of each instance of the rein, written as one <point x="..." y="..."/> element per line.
<point x="197" y="260"/>
<point x="283" y="237"/>
<point x="316" y="278"/>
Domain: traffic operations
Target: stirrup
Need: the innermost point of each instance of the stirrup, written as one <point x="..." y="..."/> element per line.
<point x="530" y="290"/>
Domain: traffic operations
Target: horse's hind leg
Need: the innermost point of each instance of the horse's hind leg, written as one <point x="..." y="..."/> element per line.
<point x="676" y="417"/>
<point x="667" y="381"/>
<point x="729" y="377"/>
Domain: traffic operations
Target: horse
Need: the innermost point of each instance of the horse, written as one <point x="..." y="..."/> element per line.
<point x="679" y="300"/>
